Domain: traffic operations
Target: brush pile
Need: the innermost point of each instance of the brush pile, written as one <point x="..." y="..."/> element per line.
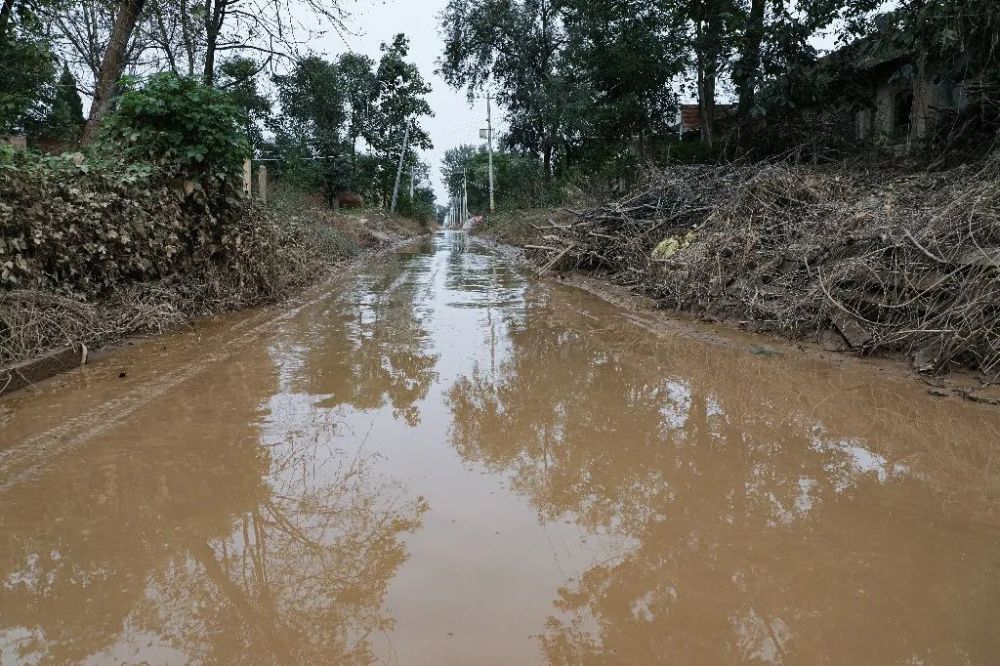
<point x="887" y="263"/>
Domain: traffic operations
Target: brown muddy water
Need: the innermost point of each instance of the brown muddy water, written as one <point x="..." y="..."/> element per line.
<point x="445" y="461"/>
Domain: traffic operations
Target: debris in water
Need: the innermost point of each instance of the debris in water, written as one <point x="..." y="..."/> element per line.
<point x="757" y="350"/>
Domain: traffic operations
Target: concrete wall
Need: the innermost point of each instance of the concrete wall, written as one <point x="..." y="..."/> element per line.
<point x="20" y="141"/>
<point x="879" y="124"/>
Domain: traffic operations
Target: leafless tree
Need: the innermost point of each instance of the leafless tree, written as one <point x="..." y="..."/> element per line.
<point x="102" y="39"/>
<point x="270" y="28"/>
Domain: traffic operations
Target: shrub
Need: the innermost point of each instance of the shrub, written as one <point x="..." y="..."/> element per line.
<point x="184" y="127"/>
<point x="76" y="226"/>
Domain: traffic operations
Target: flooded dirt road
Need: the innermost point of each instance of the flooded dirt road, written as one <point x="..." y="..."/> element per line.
<point x="444" y="461"/>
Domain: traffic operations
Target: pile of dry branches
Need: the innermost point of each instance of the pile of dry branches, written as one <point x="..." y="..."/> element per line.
<point x="893" y="263"/>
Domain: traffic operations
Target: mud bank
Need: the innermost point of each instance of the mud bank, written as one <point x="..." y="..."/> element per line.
<point x="45" y="333"/>
<point x="877" y="264"/>
<point x="958" y="384"/>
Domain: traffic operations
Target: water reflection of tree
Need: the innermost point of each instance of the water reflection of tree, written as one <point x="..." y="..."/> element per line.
<point x="78" y="544"/>
<point x="301" y="579"/>
<point x="760" y="524"/>
<point x="371" y="347"/>
<point x="207" y="542"/>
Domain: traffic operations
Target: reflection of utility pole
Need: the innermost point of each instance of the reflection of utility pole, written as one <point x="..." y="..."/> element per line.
<point x="465" y="197"/>
<point x="399" y="171"/>
<point x="489" y="142"/>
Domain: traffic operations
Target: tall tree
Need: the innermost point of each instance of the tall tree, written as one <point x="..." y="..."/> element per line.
<point x="402" y="103"/>
<point x="773" y="40"/>
<point x="6" y="10"/>
<point x="309" y="131"/>
<point x="629" y="52"/>
<point x="82" y="31"/>
<point x="65" y="120"/>
<point x="748" y="70"/>
<point x="239" y="77"/>
<point x="174" y="28"/>
<point x="711" y="43"/>
<point x="112" y="66"/>
<point x="518" y="46"/>
<point x="360" y="90"/>
<point x="272" y="28"/>
<point x="28" y="70"/>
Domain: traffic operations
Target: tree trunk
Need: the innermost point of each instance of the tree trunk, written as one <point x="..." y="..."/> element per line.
<point x="186" y="36"/>
<point x="164" y="37"/>
<point x="709" y="52"/>
<point x="215" y="15"/>
<point x="208" y="76"/>
<point x="706" y="98"/>
<point x="354" y="163"/>
<point x="749" y="67"/>
<point x="112" y="66"/>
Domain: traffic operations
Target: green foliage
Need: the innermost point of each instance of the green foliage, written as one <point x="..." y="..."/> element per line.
<point x="518" y="179"/>
<point x="630" y="53"/>
<point x="360" y="91"/>
<point x="312" y="103"/>
<point x="329" y="108"/>
<point x="402" y="98"/>
<point x="518" y="47"/>
<point x="238" y="77"/>
<point x="421" y="207"/>
<point x="65" y="120"/>
<point x="182" y="126"/>
<point x="961" y="38"/>
<point x="590" y="85"/>
<point x="26" y="78"/>
<point x="309" y="134"/>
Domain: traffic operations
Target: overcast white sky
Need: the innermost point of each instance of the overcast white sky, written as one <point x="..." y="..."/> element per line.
<point x="375" y="22"/>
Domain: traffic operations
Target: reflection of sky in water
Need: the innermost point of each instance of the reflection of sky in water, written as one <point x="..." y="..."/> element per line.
<point x="850" y="461"/>
<point x="676" y="405"/>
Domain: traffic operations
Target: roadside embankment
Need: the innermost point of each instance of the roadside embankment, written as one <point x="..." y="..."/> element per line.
<point x="864" y="259"/>
<point x="92" y="254"/>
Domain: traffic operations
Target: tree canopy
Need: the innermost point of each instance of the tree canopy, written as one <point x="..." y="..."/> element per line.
<point x="343" y="122"/>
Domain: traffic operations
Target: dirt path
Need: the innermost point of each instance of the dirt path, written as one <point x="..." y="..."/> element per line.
<point x="445" y="460"/>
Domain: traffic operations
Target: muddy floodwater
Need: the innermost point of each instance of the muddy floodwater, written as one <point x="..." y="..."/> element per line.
<point x="443" y="460"/>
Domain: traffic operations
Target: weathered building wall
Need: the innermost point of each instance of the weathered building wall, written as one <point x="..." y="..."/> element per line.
<point x="902" y="112"/>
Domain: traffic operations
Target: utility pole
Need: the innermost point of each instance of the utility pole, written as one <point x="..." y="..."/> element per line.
<point x="489" y="140"/>
<point x="399" y="171"/>
<point x="465" y="197"/>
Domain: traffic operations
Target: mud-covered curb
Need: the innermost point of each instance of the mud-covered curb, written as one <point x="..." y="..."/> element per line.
<point x="39" y="369"/>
